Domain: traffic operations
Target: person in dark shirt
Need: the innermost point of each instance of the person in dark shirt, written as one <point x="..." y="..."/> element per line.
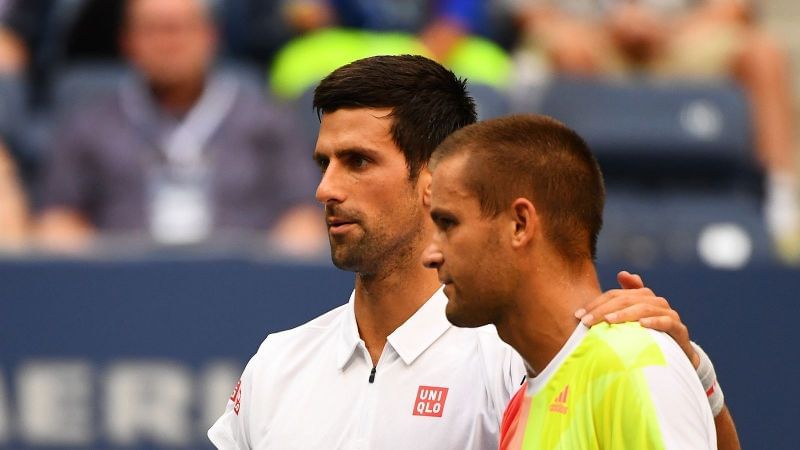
<point x="181" y="150"/>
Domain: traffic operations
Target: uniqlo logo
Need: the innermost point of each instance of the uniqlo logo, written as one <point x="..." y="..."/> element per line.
<point x="236" y="397"/>
<point x="430" y="401"/>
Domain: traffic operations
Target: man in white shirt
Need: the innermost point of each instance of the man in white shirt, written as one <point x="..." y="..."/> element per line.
<point x="386" y="370"/>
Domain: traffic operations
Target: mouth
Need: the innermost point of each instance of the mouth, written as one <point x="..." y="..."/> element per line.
<point x="339" y="225"/>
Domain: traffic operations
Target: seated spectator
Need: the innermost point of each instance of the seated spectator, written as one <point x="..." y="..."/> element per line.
<point x="440" y="24"/>
<point x="181" y="150"/>
<point x="340" y="31"/>
<point x="686" y="39"/>
<point x="13" y="206"/>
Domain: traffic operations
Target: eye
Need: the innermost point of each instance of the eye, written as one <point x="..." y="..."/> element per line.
<point x="444" y="223"/>
<point x="358" y="162"/>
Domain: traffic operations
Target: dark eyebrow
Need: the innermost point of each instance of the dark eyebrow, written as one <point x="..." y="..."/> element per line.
<point x="356" y="151"/>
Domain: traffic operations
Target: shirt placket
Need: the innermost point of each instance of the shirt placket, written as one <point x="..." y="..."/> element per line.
<point x="369" y="406"/>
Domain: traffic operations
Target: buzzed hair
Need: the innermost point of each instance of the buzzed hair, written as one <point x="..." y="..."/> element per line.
<point x="538" y="158"/>
<point x="428" y="101"/>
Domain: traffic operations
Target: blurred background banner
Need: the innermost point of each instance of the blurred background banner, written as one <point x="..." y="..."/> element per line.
<point x="144" y="353"/>
<point x="139" y="353"/>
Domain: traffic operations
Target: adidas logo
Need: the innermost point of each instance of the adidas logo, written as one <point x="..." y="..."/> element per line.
<point x="559" y="405"/>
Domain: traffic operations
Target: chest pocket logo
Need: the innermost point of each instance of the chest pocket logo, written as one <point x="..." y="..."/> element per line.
<point x="430" y="401"/>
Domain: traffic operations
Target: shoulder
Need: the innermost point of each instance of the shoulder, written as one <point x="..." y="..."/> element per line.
<point x="625" y="346"/>
<point x="651" y="382"/>
<point x="306" y="335"/>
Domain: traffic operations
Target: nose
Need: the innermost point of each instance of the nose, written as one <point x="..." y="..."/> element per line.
<point x="329" y="189"/>
<point x="432" y="257"/>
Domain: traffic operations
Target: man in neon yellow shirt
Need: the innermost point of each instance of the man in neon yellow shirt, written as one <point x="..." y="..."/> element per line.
<point x="518" y="204"/>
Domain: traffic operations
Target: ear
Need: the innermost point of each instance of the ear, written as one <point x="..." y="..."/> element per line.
<point x="524" y="223"/>
<point x="424" y="183"/>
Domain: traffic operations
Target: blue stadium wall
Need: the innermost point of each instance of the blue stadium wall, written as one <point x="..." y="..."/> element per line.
<point x="144" y="353"/>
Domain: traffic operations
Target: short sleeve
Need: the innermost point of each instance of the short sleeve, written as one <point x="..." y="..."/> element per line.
<point x="653" y="407"/>
<point x="231" y="431"/>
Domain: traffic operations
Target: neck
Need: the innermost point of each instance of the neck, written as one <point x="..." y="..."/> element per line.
<point x="178" y="99"/>
<point x="542" y="319"/>
<point x="384" y="302"/>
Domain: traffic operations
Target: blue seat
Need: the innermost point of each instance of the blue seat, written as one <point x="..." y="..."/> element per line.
<point x="16" y="126"/>
<point x="13" y="106"/>
<point x="489" y="101"/>
<point x="643" y="228"/>
<point x="656" y="128"/>
<point x="679" y="164"/>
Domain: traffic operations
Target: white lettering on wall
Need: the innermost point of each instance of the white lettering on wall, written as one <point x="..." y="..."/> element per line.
<point x="148" y="400"/>
<point x="54" y="402"/>
<point x="5" y="425"/>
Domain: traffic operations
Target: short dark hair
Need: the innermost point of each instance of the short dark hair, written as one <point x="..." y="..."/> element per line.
<point x="541" y="159"/>
<point x="428" y="101"/>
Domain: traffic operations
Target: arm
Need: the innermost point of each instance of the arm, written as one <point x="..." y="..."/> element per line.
<point x="13" y="206"/>
<point x="636" y="303"/>
<point x="13" y="53"/>
<point x="727" y="437"/>
<point x="230" y="431"/>
<point x="63" y="229"/>
<point x="67" y="179"/>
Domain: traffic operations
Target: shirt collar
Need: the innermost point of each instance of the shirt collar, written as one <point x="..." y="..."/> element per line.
<point x="409" y="340"/>
<point x="422" y="329"/>
<point x="349" y="338"/>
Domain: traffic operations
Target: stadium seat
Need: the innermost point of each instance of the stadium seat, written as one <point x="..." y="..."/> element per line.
<point x="722" y="229"/>
<point x="13" y="104"/>
<point x="678" y="159"/>
<point x="16" y="126"/>
<point x="491" y="102"/>
<point x="656" y="128"/>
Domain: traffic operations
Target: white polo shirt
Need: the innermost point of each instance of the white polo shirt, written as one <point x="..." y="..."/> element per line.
<point x="435" y="386"/>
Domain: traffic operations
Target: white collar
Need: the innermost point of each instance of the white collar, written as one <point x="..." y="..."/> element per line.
<point x="409" y="340"/>
<point x="541" y="379"/>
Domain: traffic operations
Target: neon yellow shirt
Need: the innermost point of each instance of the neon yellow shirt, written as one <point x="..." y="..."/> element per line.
<point x="612" y="387"/>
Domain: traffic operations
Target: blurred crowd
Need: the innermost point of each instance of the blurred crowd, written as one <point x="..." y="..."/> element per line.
<point x="176" y="120"/>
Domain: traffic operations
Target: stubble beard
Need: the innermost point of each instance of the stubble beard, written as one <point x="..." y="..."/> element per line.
<point x="379" y="249"/>
<point x="352" y="254"/>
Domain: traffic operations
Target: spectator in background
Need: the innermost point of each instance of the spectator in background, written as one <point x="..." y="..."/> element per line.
<point x="337" y="32"/>
<point x="13" y="51"/>
<point x="681" y="38"/>
<point x="13" y="205"/>
<point x="181" y="150"/>
<point x="440" y="24"/>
